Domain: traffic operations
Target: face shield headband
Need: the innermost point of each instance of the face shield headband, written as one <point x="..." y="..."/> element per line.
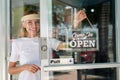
<point x="30" y="17"/>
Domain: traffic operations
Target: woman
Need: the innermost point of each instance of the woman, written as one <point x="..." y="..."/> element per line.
<point x="25" y="49"/>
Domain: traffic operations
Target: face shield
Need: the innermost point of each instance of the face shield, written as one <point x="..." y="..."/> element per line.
<point x="31" y="24"/>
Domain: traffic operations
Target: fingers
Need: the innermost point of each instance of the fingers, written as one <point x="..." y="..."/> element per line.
<point x="32" y="68"/>
<point x="81" y="12"/>
<point x="80" y="16"/>
<point x="36" y="67"/>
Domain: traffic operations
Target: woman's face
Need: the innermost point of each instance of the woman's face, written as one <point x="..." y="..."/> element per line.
<point x="32" y="27"/>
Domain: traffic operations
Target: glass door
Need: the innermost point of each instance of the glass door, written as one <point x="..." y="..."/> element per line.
<point x="82" y="59"/>
<point x="90" y="50"/>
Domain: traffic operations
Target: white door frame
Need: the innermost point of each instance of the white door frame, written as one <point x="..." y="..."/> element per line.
<point x="4" y="37"/>
<point x="117" y="28"/>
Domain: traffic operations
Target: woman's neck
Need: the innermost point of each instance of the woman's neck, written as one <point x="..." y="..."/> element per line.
<point x="31" y="35"/>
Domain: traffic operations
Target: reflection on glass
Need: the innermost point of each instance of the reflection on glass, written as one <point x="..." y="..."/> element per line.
<point x="99" y="14"/>
<point x="63" y="17"/>
<point x="84" y="75"/>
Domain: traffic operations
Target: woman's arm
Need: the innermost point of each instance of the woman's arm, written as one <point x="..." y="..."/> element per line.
<point x="80" y="16"/>
<point x="13" y="69"/>
<point x="61" y="46"/>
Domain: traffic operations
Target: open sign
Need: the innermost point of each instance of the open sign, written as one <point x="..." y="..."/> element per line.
<point x="83" y="40"/>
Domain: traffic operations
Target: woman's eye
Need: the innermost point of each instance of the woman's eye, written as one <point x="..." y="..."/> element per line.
<point x="38" y="22"/>
<point x="29" y="22"/>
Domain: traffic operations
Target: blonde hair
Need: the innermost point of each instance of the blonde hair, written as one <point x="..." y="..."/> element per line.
<point x="22" y="32"/>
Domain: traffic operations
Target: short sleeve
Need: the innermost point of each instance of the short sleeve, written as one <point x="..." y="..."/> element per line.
<point x="14" y="53"/>
<point x="53" y="43"/>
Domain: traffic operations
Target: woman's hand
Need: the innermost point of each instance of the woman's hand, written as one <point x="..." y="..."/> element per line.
<point x="13" y="69"/>
<point x="31" y="67"/>
<point x="80" y="16"/>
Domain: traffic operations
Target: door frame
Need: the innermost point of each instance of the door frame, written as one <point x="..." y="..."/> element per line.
<point x="5" y="36"/>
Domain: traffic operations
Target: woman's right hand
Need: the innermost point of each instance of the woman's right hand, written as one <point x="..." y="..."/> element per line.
<point x="31" y="67"/>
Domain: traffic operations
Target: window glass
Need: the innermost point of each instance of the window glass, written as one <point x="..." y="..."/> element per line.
<point x="100" y="16"/>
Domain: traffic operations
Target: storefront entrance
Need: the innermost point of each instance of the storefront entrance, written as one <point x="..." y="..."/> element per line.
<point x="92" y="49"/>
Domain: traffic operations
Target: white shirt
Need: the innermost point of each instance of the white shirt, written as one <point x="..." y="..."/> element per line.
<point x="26" y="51"/>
